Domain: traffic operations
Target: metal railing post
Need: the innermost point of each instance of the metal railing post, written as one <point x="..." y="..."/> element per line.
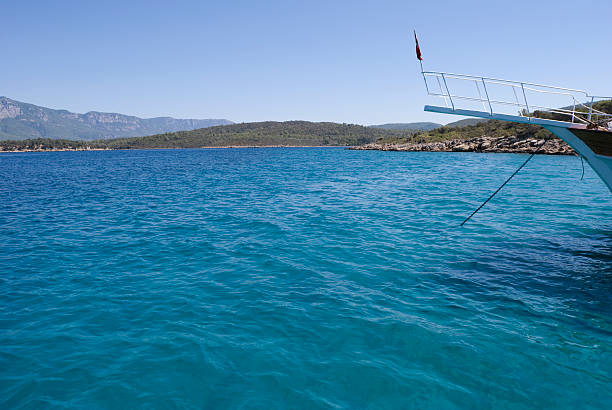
<point x="441" y="91"/>
<point x="591" y="108"/>
<point x="480" y="95"/>
<point x="526" y="103"/>
<point x="518" y="104"/>
<point x="487" y="94"/>
<point x="425" y="80"/>
<point x="448" y="92"/>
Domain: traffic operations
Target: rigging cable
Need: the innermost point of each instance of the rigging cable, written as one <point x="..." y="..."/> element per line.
<point x="504" y="184"/>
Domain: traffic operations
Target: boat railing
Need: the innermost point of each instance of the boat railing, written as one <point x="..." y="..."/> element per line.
<point x="525" y="99"/>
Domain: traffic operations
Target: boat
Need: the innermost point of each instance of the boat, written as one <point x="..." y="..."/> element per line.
<point x="583" y="127"/>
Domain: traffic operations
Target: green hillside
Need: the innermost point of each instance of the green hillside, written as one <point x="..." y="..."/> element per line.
<point x="290" y="133"/>
<point x="293" y="133"/>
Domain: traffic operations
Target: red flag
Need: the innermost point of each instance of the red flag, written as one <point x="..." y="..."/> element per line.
<point x="418" y="49"/>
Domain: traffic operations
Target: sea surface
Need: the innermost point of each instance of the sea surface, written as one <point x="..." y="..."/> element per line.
<point x="303" y="278"/>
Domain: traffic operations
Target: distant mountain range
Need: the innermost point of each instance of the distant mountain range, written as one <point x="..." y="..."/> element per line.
<point x="414" y="126"/>
<point x="427" y="126"/>
<point x="19" y="121"/>
<point x="466" y="122"/>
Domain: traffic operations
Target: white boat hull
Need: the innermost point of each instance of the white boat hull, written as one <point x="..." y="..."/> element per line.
<point x="600" y="161"/>
<point x="601" y="164"/>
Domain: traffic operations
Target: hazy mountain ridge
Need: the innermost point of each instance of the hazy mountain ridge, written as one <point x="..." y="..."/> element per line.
<point x="20" y="121"/>
<point x="427" y="126"/>
<point x="466" y="122"/>
<point x="413" y="126"/>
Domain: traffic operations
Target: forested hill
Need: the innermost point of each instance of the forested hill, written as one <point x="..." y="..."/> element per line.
<point x="289" y="133"/>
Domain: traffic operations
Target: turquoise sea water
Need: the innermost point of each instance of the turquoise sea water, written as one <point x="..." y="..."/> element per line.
<point x="302" y="278"/>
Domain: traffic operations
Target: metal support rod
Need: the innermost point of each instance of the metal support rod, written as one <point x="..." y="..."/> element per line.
<point x="448" y="92"/>
<point x="425" y="80"/>
<point x="518" y="104"/>
<point x="591" y="108"/>
<point x="526" y="103"/>
<point x="480" y="95"/>
<point x="442" y="92"/>
<point x="487" y="94"/>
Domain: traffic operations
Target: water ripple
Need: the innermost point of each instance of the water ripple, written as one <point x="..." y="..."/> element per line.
<point x="302" y="278"/>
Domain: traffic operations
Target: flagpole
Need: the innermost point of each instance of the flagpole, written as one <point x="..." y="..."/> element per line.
<point x="420" y="58"/>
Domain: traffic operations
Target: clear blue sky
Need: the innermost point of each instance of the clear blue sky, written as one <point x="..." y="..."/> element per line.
<point x="344" y="61"/>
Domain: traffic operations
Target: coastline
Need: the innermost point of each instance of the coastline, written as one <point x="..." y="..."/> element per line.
<point x="485" y="144"/>
<point x="54" y="150"/>
<point x="480" y="144"/>
<point x="161" y="148"/>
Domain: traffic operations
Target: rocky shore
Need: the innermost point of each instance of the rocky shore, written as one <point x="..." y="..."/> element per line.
<point x="480" y="144"/>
